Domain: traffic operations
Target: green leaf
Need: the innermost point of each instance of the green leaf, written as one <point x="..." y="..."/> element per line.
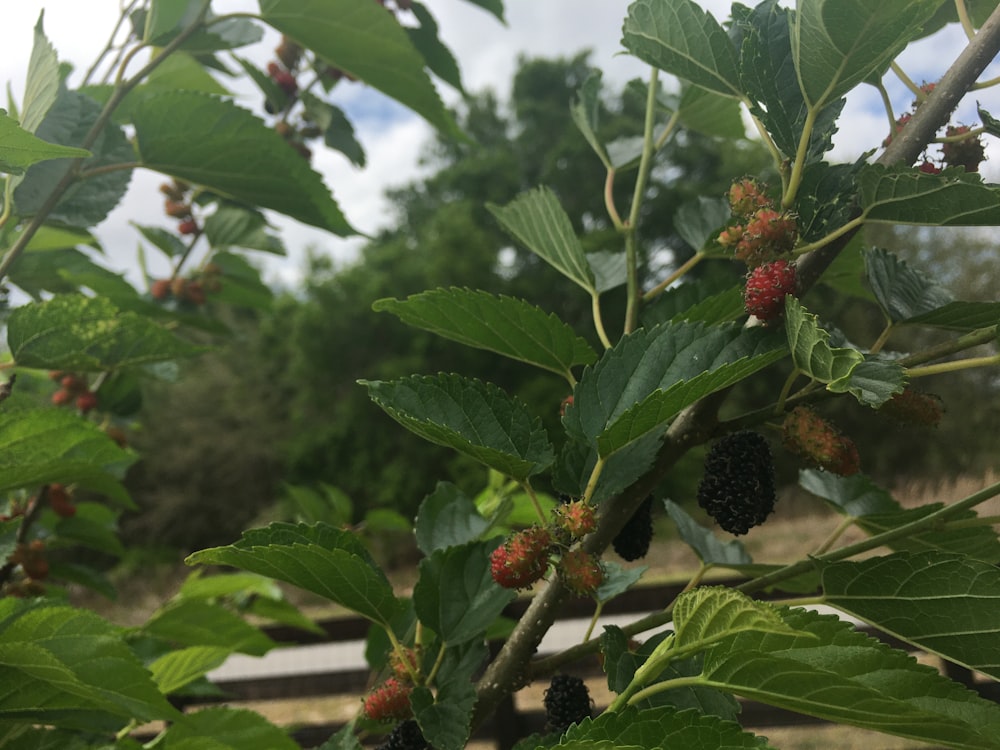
<point x="902" y="291"/>
<point x="95" y="526"/>
<point x="42" y="445"/>
<point x="617" y="580"/>
<point x="241" y="284"/>
<point x="447" y="518"/>
<point x="585" y="112"/>
<point x="698" y="222"/>
<point x="214" y="143"/>
<point x="338" y="133"/>
<point x="224" y="728"/>
<point x="195" y="622"/>
<point x="57" y="662"/>
<point x="42" y="84"/>
<point x="456" y="596"/>
<point x="834" y="672"/>
<point x="960" y="316"/>
<point x="679" y="37"/>
<point x="177" y="669"/>
<point x="368" y="43"/>
<point x="475" y="418"/>
<point x="696" y="301"/>
<point x="436" y="55"/>
<point x="650" y="375"/>
<point x="872" y="382"/>
<point x="491" y="6"/>
<point x="837" y="45"/>
<point x="88" y="334"/>
<point x="609" y="269"/>
<point x="19" y="149"/>
<point x="855" y="496"/>
<point x="168" y="18"/>
<point x="710" y="113"/>
<point x="768" y="75"/>
<point x="877" y="512"/>
<point x="708" y="614"/>
<point x="236" y="226"/>
<point x="905" y="195"/>
<point x="810" y="345"/>
<point x="505" y="325"/>
<point x="659" y="728"/>
<point x="446" y="722"/>
<point x="948" y="605"/>
<point x="705" y="544"/>
<point x="87" y="201"/>
<point x="538" y="221"/>
<point x="326" y="561"/>
<point x="167" y="241"/>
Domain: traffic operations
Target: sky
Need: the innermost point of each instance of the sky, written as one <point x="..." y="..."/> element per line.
<point x="487" y="52"/>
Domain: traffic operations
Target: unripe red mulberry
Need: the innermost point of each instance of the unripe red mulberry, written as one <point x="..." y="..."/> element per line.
<point x="766" y="288"/>
<point x="389" y="701"/>
<point x="522" y="559"/>
<point x="811" y="437"/>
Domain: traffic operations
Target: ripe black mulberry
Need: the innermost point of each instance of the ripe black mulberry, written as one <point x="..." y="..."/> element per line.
<point x="567" y="702"/>
<point x="737" y="489"/>
<point x="406" y="736"/>
<point x="632" y="542"/>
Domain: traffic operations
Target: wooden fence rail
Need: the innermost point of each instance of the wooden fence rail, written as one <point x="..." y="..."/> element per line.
<point x="509" y="723"/>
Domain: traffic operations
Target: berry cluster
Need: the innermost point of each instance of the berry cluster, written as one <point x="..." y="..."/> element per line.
<point x="178" y="206"/>
<point x="73" y="389"/>
<point x="819" y="443"/>
<point x="524" y="556"/>
<point x="193" y="290"/>
<point x="967" y="151"/>
<point x="763" y="233"/>
<point x="632" y="542"/>
<point x="914" y="407"/>
<point x="567" y="702"/>
<point x="767" y="286"/>
<point x="737" y="489"/>
<point x="961" y="146"/>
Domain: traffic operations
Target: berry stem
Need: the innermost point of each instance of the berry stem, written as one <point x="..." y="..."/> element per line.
<point x="963" y="17"/>
<point x="530" y="491"/>
<point x="795" y="179"/>
<point x="438" y="661"/>
<point x="662" y="687"/>
<point x="595" y="475"/>
<point x="609" y="200"/>
<point x="779" y="407"/>
<point x="840" y="231"/>
<point x="882" y="338"/>
<point x="593" y="621"/>
<point x="595" y="306"/>
<point x="843" y="526"/>
<point x="680" y="271"/>
<point x="907" y="81"/>
<point x="953" y="366"/>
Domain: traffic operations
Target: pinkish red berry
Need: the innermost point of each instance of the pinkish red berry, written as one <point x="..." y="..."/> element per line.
<point x="389" y="701"/>
<point x="576" y="518"/>
<point x="581" y="572"/>
<point x="766" y="288"/>
<point x="86" y="401"/>
<point x="522" y="559"/>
